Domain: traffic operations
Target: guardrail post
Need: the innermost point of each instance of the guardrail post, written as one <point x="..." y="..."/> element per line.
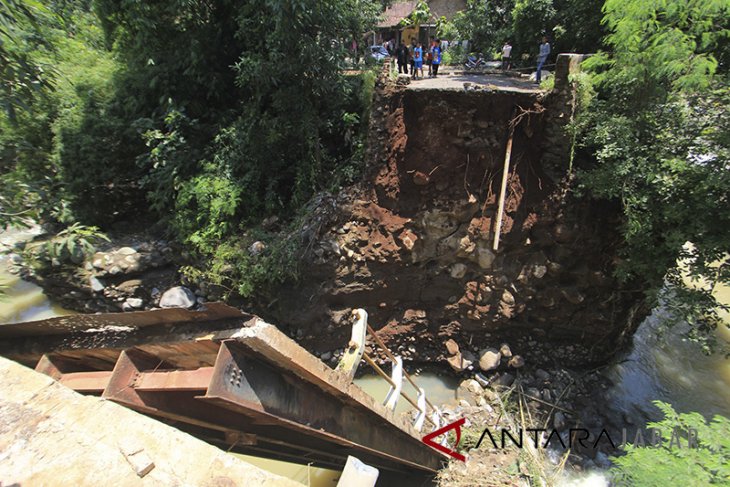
<point x="353" y="353"/>
<point x="421" y="417"/>
<point x="396" y="376"/>
<point x="436" y="420"/>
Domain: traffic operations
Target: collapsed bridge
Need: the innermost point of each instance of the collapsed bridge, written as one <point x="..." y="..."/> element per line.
<point x="230" y="379"/>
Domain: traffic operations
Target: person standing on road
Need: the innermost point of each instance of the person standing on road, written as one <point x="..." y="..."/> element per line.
<point x="418" y="60"/>
<point x="411" y="57"/>
<point x="402" y="54"/>
<point x="506" y="54"/>
<point x="436" y="61"/>
<point x="429" y="57"/>
<point x="542" y="57"/>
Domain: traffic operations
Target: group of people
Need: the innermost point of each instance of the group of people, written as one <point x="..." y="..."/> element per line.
<point x="415" y="56"/>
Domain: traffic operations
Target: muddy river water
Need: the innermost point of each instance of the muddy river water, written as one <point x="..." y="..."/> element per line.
<point x="668" y="369"/>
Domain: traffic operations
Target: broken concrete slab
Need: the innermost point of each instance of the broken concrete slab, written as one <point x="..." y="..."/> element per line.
<point x="51" y="435"/>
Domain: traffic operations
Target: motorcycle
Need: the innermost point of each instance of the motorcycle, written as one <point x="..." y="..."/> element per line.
<point x="475" y="62"/>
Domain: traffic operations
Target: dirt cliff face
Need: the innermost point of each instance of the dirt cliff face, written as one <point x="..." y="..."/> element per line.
<point x="412" y="243"/>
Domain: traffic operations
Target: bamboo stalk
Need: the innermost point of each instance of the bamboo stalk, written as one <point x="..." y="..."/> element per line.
<point x="503" y="191"/>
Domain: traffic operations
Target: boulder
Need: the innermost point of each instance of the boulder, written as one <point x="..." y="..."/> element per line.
<point x="130" y="286"/>
<point x="542" y="375"/>
<point x="505" y="350"/>
<point x="485" y="257"/>
<point x="504" y="380"/>
<point x="256" y="248"/>
<point x="96" y="285"/>
<point x="459" y="362"/>
<point x="539" y="271"/>
<point x="489" y="359"/>
<point x="420" y="178"/>
<point x="516" y="362"/>
<point x="465" y="247"/>
<point x="474" y="387"/>
<point x="456" y="362"/>
<point x="178" y="297"/>
<point x="508" y="298"/>
<point x="438" y="224"/>
<point x="452" y="347"/>
<point x="136" y="303"/>
<point x="408" y="238"/>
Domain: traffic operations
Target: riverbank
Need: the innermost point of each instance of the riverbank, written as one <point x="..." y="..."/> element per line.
<point x="558" y="398"/>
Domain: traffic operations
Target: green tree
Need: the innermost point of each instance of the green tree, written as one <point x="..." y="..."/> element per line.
<point x="673" y="462"/>
<point x="531" y="19"/>
<point x="245" y="112"/>
<point x="253" y="90"/>
<point x="487" y="24"/>
<point x="36" y="100"/>
<point x="421" y="14"/>
<point x="571" y="25"/>
<point x="658" y="131"/>
<point x="23" y="79"/>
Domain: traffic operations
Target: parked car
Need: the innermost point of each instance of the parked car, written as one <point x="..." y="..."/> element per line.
<point x="378" y="53"/>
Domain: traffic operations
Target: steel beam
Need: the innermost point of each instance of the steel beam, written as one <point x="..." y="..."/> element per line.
<point x="174" y="380"/>
<point x="173" y="405"/>
<point x="264" y="393"/>
<point x="87" y="382"/>
<point x="242" y="382"/>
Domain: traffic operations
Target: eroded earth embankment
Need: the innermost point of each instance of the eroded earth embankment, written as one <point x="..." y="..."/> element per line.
<point x="413" y="242"/>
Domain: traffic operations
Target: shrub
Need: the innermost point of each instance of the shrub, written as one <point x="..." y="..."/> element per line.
<point x="70" y="246"/>
<point x="708" y="464"/>
<point x="235" y="267"/>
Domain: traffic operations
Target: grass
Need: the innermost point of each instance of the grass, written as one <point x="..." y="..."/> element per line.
<point x="487" y="466"/>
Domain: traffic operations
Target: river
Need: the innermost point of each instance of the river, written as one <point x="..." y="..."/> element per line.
<point x="669" y="369"/>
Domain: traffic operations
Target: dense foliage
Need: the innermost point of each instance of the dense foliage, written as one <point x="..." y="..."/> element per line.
<point x="673" y="462"/>
<point x="204" y="116"/>
<point x="23" y="78"/>
<point x="658" y="130"/>
<point x="570" y="25"/>
<point x="42" y="126"/>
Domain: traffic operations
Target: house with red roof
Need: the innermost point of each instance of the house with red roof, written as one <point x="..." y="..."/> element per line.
<point x="390" y="26"/>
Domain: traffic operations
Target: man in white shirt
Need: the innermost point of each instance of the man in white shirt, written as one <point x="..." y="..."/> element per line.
<point x="506" y="53"/>
<point x="542" y="57"/>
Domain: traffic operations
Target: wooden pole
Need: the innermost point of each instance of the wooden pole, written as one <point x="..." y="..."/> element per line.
<point x="503" y="191"/>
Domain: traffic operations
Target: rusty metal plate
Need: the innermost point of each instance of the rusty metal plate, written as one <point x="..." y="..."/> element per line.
<point x="110" y="322"/>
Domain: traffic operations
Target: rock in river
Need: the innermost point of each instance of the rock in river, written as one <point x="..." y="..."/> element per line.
<point x="489" y="359"/>
<point x="177" y="297"/>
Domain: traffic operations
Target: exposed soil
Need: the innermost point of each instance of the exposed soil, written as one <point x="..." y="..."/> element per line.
<point x="412" y="243"/>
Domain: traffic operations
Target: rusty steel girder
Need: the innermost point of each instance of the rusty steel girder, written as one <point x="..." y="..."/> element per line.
<point x="261" y="394"/>
<point x="241" y="382"/>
